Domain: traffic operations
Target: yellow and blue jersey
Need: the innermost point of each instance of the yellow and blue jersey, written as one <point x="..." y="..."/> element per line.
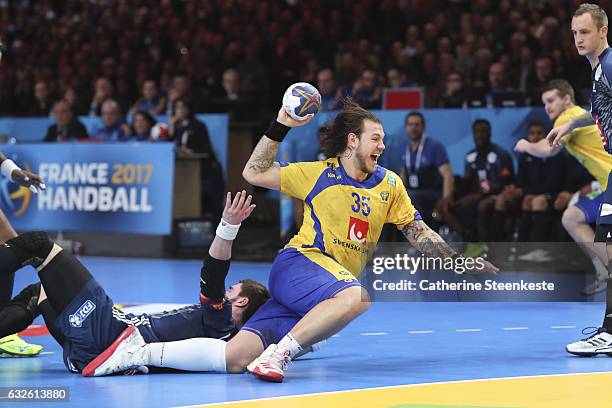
<point x="585" y="145"/>
<point x="343" y="217"/>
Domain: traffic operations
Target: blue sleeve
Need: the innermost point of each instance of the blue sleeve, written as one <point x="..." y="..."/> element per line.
<point x="606" y="65"/>
<point x="440" y="156"/>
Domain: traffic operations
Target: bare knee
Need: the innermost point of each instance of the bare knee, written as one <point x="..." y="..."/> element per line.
<point x="539" y="203"/>
<point x="355" y="301"/>
<point x="572" y="216"/>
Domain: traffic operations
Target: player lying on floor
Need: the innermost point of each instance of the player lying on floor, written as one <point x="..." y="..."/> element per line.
<point x="82" y="319"/>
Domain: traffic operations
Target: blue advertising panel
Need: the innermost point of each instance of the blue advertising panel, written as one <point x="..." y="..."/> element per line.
<point x="106" y="187"/>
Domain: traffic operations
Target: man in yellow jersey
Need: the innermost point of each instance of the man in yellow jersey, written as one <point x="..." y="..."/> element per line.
<point x="12" y="345"/>
<point x="347" y="200"/>
<point x="590" y="30"/>
<point x="584" y="144"/>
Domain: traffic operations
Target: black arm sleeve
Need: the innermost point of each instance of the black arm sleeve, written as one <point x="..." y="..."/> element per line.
<point x="212" y="279"/>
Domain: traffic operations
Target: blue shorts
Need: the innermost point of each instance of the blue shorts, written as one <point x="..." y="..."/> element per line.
<point x="298" y="282"/>
<point x="90" y="324"/>
<point x="589" y="205"/>
<point x="605" y="211"/>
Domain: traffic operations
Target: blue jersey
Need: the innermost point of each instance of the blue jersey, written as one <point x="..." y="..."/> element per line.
<point x="490" y="169"/>
<point x="421" y="165"/>
<point x="601" y="97"/>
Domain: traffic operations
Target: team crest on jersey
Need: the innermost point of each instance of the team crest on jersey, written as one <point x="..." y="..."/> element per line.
<point x="77" y="319"/>
<point x="358" y="230"/>
<point x="384" y="196"/>
<point x="331" y="165"/>
<point x="391" y="180"/>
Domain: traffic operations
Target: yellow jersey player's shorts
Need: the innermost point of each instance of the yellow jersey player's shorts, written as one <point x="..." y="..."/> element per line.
<point x="298" y="282"/>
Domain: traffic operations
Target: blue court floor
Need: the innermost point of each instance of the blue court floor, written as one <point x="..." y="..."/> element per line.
<point x="392" y="344"/>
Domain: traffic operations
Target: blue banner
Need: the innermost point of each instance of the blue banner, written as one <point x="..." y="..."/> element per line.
<point x="106" y="187"/>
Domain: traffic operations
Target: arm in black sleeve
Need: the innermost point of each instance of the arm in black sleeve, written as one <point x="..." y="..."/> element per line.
<point x="212" y="279"/>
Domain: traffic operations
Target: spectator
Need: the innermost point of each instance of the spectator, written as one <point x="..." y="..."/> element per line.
<point x="366" y="90"/>
<point x="330" y="92"/>
<point x="426" y="172"/>
<point x="538" y="181"/>
<point x="151" y="101"/>
<point x="396" y="78"/>
<point x="103" y="92"/>
<point x="142" y="123"/>
<point x="74" y="101"/>
<point x="189" y="134"/>
<point x="454" y="94"/>
<point x="41" y="104"/>
<point x="181" y="89"/>
<point x="543" y="75"/>
<point x="66" y="127"/>
<point x="488" y="168"/>
<point x="114" y="128"/>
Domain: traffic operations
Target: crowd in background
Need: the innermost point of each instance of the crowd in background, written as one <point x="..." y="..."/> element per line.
<point x="239" y="56"/>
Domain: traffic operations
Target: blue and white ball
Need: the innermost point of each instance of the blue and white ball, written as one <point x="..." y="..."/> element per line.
<point x="301" y="100"/>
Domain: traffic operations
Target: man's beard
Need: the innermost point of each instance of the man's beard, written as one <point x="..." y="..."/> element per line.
<point x="361" y="163"/>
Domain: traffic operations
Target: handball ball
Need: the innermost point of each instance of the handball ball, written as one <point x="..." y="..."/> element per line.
<point x="160" y="131"/>
<point x="300" y="100"/>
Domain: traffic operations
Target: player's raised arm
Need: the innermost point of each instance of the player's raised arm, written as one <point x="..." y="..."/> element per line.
<point x="431" y="244"/>
<point x="262" y="170"/>
<point x="24" y="178"/>
<point x="216" y="265"/>
<point x="541" y="149"/>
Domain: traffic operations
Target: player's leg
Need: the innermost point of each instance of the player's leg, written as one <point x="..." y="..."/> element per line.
<point x="323" y="292"/>
<point x="6" y="280"/>
<point x="600" y="342"/>
<point x="576" y="220"/>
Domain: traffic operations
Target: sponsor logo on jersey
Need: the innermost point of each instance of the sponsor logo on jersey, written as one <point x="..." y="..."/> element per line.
<point x="391" y="180"/>
<point x="358" y="230"/>
<point x="606" y="209"/>
<point x="384" y="196"/>
<point x="77" y="319"/>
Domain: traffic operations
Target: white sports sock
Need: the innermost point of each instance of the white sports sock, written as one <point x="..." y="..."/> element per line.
<point x="289" y="343"/>
<point x="198" y="354"/>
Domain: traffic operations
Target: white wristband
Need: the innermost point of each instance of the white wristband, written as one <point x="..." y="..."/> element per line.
<point x="7" y="167"/>
<point x="227" y="231"/>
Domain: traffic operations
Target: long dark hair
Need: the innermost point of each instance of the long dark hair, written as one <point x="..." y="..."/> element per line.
<point x="350" y="120"/>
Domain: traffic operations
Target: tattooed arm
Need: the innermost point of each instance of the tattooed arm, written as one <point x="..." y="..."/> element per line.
<point x="261" y="169"/>
<point x="431" y="244"/>
<point x="427" y="240"/>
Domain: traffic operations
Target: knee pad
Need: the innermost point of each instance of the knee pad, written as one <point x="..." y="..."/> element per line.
<point x="31" y="248"/>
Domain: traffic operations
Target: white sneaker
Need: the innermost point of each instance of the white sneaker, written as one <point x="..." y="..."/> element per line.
<point x="599" y="342"/>
<point x="126" y="354"/>
<point x="270" y="365"/>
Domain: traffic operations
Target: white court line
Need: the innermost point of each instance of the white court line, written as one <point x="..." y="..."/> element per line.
<point x="374" y="334"/>
<point x="45" y="352"/>
<point x="468" y="330"/>
<point x="336" y="335"/>
<point x="515" y="328"/>
<point x="420" y="331"/>
<point x="562" y="327"/>
<point x="391" y="387"/>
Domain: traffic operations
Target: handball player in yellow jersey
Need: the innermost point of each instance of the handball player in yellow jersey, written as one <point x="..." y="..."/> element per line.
<point x="347" y="200"/>
<point x="585" y="145"/>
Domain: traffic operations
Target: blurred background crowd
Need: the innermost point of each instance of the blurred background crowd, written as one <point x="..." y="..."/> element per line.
<point x="239" y="56"/>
